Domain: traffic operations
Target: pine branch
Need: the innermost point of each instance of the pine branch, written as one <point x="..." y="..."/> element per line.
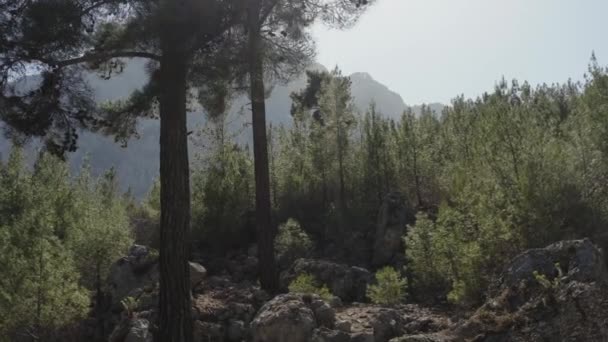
<point x="97" y="57"/>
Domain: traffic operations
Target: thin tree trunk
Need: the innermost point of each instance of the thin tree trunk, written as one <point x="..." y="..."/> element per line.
<point x="38" y="324"/>
<point x="416" y="175"/>
<point x="99" y="302"/>
<point x="341" y="173"/>
<point x="175" y="306"/>
<point x="265" y="231"/>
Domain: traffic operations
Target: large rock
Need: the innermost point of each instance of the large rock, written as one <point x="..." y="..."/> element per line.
<point x="578" y="260"/>
<point x="129" y="275"/>
<point x="290" y="318"/>
<point x="136" y="275"/>
<point x="285" y="318"/>
<point x="567" y="305"/>
<point x="392" y="220"/>
<point x="347" y="282"/>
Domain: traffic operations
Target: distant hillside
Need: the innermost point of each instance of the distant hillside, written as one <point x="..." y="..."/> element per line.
<point x="137" y="165"/>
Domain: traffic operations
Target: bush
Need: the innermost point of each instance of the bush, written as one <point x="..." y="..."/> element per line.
<point x="455" y="255"/>
<point x="389" y="288"/>
<point x="291" y="242"/>
<point x="306" y="283"/>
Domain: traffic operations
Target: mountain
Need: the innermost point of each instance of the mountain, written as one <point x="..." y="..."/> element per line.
<point x="137" y="165"/>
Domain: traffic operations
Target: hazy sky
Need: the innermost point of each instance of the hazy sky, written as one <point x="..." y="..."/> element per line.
<point x="433" y="50"/>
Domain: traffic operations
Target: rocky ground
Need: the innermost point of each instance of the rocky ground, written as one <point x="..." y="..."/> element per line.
<point x="569" y="303"/>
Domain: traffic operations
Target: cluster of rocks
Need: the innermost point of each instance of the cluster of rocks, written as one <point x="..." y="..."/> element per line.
<point x="557" y="293"/>
<point x="133" y="281"/>
<point x="301" y="318"/>
<point x="223" y="309"/>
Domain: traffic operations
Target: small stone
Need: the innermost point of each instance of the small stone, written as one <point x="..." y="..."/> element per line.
<point x="197" y="274"/>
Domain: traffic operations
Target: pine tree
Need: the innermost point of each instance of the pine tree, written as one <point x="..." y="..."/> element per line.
<point x="175" y="36"/>
<point x="283" y="53"/>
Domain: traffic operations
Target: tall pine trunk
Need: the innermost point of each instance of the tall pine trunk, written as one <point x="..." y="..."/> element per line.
<point x="265" y="230"/>
<point x="175" y="302"/>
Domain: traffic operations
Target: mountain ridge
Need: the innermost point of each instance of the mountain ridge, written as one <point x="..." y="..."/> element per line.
<point x="137" y="165"/>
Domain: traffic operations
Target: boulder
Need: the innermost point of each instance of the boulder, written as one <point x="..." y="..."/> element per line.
<point x="285" y="318"/>
<point x="571" y="304"/>
<point x="392" y="221"/>
<point x="324" y="313"/>
<point x="137" y="275"/>
<point x="347" y="282"/>
<point x="129" y="275"/>
<point x="578" y="260"/>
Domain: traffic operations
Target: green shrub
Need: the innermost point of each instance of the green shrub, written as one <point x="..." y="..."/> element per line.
<point x="291" y="242"/>
<point x="389" y="288"/>
<point x="129" y="305"/>
<point x="455" y="254"/>
<point x="306" y="283"/>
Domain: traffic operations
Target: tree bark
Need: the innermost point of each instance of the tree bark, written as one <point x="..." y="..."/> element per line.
<point x="265" y="230"/>
<point x="175" y="300"/>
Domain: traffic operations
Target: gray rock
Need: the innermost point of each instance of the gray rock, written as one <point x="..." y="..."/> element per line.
<point x="335" y="302"/>
<point x="392" y="221"/>
<point x="387" y="324"/>
<point x="324" y="313"/>
<point x="347" y="282"/>
<point x="129" y="275"/>
<point x="197" y="274"/>
<point x="136" y="273"/>
<point x="578" y="260"/>
<point x="139" y="331"/>
<point x="284" y="318"/>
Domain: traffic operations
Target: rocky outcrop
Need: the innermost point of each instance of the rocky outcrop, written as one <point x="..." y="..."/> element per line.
<point x="378" y="324"/>
<point x="578" y="260"/>
<point x="349" y="283"/>
<point x="295" y="317"/>
<point x="556" y="293"/>
<point x="392" y="220"/>
<point x="136" y="275"/>
<point x="223" y="310"/>
<point x="132" y="273"/>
